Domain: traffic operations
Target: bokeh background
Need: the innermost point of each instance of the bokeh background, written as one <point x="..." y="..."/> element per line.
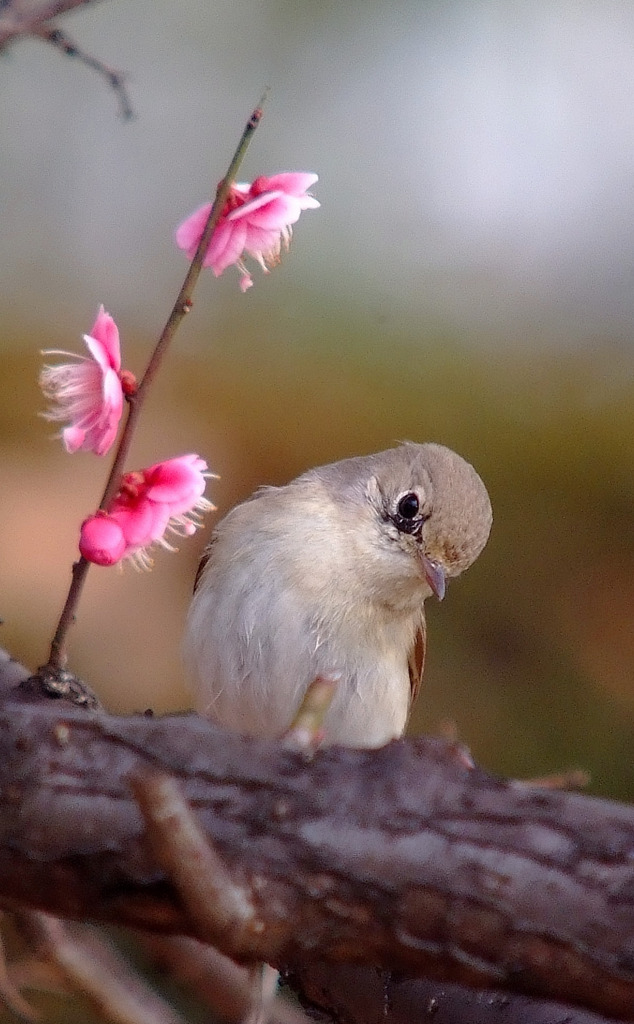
<point x="468" y="279"/>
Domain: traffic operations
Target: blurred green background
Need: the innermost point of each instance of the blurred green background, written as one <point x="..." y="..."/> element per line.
<point x="468" y="279"/>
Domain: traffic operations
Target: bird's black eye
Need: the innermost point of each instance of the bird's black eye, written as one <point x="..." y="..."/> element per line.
<point x="407" y="515"/>
<point x="408" y="506"/>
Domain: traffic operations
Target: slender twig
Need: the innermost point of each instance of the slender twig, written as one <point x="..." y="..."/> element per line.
<point x="91" y="966"/>
<point x="307" y="728"/>
<point x="220" y="983"/>
<point x="182" y="306"/>
<point x="19" y="20"/>
<point x="220" y="909"/>
<point x="115" y="79"/>
<point x="10" y="993"/>
<point x="571" y="779"/>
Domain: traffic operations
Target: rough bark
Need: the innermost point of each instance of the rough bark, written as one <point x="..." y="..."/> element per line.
<point x="358" y="995"/>
<point x="400" y="857"/>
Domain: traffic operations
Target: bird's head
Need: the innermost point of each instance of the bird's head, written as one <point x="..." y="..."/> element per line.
<point x="413" y="516"/>
<point x="430" y="505"/>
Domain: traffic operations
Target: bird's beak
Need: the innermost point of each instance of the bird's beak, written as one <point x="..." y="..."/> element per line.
<point x="435" y="575"/>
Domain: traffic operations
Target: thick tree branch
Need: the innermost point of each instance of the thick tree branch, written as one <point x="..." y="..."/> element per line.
<point x="356" y="994"/>
<point x="399" y="857"/>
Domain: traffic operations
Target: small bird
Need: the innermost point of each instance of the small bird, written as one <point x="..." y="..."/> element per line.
<point x="327" y="576"/>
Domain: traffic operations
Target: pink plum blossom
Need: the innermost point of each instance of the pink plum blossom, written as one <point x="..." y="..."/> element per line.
<point x="88" y="394"/>
<point x="256" y="219"/>
<point x="165" y="498"/>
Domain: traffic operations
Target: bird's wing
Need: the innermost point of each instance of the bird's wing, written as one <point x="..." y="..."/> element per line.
<point x="417" y="659"/>
<point x="208" y="553"/>
<point x="202" y="565"/>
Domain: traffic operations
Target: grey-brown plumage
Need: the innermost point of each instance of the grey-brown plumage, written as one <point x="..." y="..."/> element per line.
<point x="327" y="576"/>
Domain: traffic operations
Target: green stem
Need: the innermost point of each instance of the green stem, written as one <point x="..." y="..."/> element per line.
<point x="58" y="651"/>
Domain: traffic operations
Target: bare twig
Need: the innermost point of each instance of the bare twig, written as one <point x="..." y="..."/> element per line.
<point x="219" y="982"/>
<point x="115" y="79"/>
<point x="18" y="20"/>
<point x="30" y="972"/>
<point x="20" y="17"/>
<point x="10" y="993"/>
<point x="221" y="912"/>
<point x="182" y="306"/>
<point x="573" y="778"/>
<point x="93" y="968"/>
<point x="306" y="730"/>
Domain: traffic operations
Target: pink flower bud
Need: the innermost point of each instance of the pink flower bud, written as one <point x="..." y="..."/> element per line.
<point x="101" y="540"/>
<point x="150" y="503"/>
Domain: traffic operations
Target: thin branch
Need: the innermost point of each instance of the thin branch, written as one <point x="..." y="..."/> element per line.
<point x="182" y="306"/>
<point x="18" y="20"/>
<point x="220" y="910"/>
<point x="92" y="967"/>
<point x="10" y="993"/>
<point x="114" y="78"/>
<point x="306" y="730"/>
<point x="30" y="972"/>
<point x="20" y="17"/>
<point x="221" y="984"/>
